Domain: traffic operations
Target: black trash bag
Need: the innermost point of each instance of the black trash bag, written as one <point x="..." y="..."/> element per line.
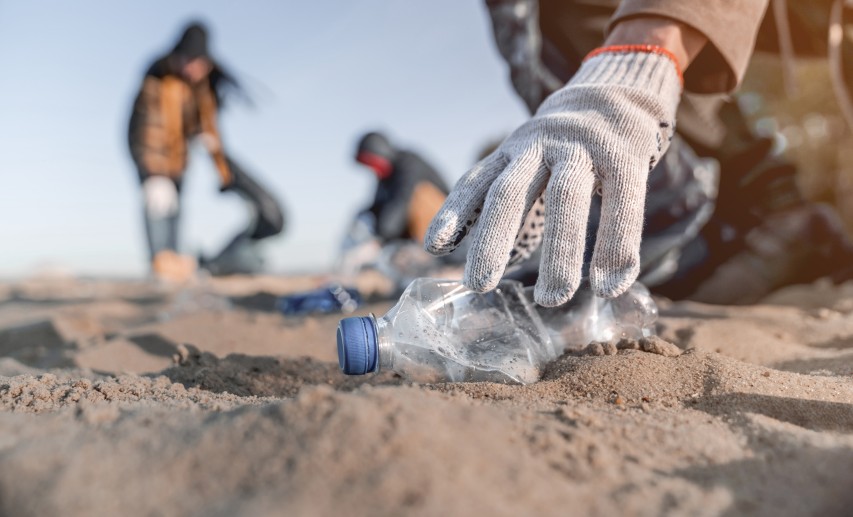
<point x="242" y="254"/>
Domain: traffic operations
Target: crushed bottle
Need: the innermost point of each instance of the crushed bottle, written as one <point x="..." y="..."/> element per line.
<point x="587" y="318"/>
<point x="440" y="331"/>
<point x="325" y="300"/>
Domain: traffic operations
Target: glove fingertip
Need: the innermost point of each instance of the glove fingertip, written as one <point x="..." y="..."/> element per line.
<point x="480" y="281"/>
<point x="609" y="283"/>
<point x="437" y="249"/>
<point x="446" y="232"/>
<point x="553" y="297"/>
<point x="442" y="241"/>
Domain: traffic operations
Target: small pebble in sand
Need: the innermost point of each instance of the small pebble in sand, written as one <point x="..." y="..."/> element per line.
<point x="656" y="345"/>
<point x="597" y="348"/>
<point x="628" y="344"/>
<point x="651" y="344"/>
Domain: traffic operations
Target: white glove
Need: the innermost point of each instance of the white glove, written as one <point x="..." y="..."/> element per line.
<point x="211" y="142"/>
<point x="160" y="196"/>
<point x="604" y="131"/>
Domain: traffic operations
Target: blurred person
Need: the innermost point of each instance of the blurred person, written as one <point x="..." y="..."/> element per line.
<point x="387" y="236"/>
<point x="630" y="97"/>
<point x="409" y="191"/>
<point x="179" y="99"/>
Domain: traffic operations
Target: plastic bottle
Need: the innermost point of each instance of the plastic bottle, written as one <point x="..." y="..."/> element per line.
<point x="325" y="300"/>
<point x="587" y="318"/>
<point x="441" y="331"/>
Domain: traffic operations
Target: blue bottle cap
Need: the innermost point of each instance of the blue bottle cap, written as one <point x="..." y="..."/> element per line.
<point x="357" y="345"/>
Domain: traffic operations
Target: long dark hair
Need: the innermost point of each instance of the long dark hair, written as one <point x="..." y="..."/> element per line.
<point x="193" y="44"/>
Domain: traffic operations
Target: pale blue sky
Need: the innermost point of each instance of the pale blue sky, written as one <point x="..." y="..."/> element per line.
<point x="322" y="72"/>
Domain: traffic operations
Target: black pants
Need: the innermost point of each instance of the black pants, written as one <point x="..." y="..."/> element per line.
<point x="240" y="255"/>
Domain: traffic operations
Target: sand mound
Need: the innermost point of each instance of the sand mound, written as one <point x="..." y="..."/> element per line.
<point x="263" y="376"/>
<point x="253" y="418"/>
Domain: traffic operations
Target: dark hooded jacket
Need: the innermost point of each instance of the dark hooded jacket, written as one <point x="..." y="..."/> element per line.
<point x="409" y="196"/>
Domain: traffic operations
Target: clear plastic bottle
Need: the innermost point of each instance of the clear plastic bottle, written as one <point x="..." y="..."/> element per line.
<point x="441" y="331"/>
<point x="587" y="318"/>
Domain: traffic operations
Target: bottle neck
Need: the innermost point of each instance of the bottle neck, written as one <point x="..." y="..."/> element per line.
<point x="385" y="358"/>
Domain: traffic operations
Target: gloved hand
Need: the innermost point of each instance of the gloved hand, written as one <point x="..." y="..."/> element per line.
<point x="604" y="131"/>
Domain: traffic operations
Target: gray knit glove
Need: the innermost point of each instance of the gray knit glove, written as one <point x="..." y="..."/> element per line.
<point x="604" y="131"/>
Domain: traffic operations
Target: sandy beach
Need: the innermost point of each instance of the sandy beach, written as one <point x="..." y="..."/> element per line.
<point x="123" y="397"/>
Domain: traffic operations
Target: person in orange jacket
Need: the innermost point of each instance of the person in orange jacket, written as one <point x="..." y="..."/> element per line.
<point x="179" y="99"/>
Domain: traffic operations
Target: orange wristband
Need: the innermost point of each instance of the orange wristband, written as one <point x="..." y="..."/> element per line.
<point x="649" y="49"/>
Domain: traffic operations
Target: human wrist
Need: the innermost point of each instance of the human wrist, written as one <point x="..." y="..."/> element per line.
<point x="638" y="67"/>
<point x="682" y="41"/>
<point x="633" y="64"/>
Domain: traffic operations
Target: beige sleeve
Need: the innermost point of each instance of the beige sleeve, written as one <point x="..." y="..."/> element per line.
<point x="207" y="114"/>
<point x="731" y="27"/>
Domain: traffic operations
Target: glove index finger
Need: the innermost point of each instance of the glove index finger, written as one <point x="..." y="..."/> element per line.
<point x="463" y="206"/>
<point x="507" y="203"/>
<point x="567" y="203"/>
<point x="616" y="258"/>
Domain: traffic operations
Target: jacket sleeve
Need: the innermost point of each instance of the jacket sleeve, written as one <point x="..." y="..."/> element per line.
<point x="146" y="137"/>
<point x="207" y="114"/>
<point x="731" y="28"/>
